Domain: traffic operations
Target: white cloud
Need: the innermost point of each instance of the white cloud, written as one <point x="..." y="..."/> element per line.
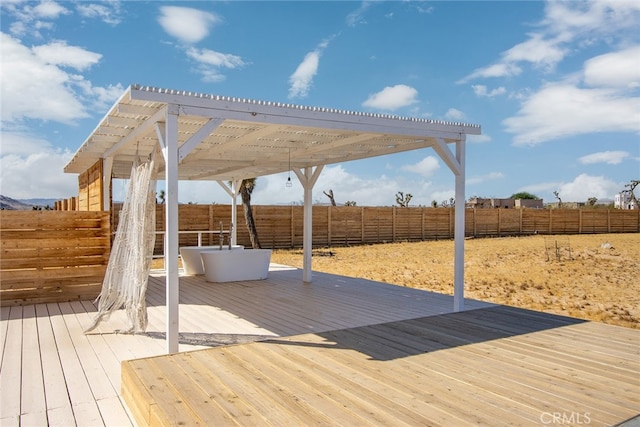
<point x="378" y="191"/>
<point x="392" y="97"/>
<point x="48" y="9"/>
<point x="454" y="114"/>
<point x="540" y="52"/>
<point x="484" y="178"/>
<point x="580" y="189"/>
<point x="356" y="17"/>
<point x="271" y="189"/>
<point x="301" y="80"/>
<point x="585" y="186"/>
<point x="481" y="90"/>
<point x="609" y="157"/>
<point x="186" y="24"/>
<point x="494" y="70"/>
<point x="616" y="69"/>
<point x="33" y="88"/>
<point x="560" y="109"/>
<point x="425" y="167"/>
<point x="31" y="168"/>
<point x="564" y="23"/>
<point x="60" y="54"/>
<point x="478" y="139"/>
<point x="108" y="12"/>
<point x="210" y="62"/>
<point x="584" y="19"/>
<point x="32" y="19"/>
<point x="216" y="59"/>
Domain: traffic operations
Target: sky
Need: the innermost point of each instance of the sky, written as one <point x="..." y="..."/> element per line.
<point x="554" y="85"/>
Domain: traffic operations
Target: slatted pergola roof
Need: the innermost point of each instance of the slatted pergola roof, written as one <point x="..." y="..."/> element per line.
<point x="223" y="138"/>
<point x="218" y="138"/>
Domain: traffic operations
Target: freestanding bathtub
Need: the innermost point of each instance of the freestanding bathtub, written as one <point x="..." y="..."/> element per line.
<point x="234" y="266"/>
<point x="191" y="260"/>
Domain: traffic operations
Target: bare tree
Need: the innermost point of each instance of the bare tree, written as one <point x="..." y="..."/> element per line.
<point x="555" y="193"/>
<point x="246" y="188"/>
<point x="330" y="196"/>
<point x="403" y="199"/>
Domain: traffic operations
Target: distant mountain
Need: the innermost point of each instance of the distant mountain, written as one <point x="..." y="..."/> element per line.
<point x="24" y="204"/>
<point x="40" y="202"/>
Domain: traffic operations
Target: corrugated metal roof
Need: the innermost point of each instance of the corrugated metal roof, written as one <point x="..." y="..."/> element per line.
<point x="241" y="138"/>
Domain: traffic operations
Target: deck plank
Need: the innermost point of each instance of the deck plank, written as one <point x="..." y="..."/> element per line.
<point x="4" y="324"/>
<point x="58" y="404"/>
<point x="83" y="403"/>
<point x="11" y="370"/>
<point x="33" y="402"/>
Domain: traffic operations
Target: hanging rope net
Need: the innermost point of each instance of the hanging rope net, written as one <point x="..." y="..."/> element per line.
<point x="125" y="281"/>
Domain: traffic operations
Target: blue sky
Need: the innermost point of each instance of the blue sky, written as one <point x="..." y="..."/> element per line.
<point x="554" y="85"/>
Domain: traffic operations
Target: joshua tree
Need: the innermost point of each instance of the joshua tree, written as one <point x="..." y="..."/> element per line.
<point x="448" y="203"/>
<point x="403" y="199"/>
<point x="632" y="186"/>
<point x="330" y="196"/>
<point x="555" y="193"/>
<point x="246" y="188"/>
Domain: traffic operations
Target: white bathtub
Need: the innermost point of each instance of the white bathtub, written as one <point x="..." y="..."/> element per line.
<point x="233" y="266"/>
<point x="191" y="260"/>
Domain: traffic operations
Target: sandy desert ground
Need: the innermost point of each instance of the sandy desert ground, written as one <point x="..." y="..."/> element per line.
<point x="594" y="277"/>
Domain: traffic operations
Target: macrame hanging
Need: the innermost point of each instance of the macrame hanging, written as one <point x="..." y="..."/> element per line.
<point x="125" y="281"/>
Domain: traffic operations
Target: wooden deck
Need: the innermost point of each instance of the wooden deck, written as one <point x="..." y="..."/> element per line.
<point x="494" y="366"/>
<point x="53" y="374"/>
<point x="337" y="351"/>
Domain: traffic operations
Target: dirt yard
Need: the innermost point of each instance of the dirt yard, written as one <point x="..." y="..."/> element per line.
<point x="594" y="277"/>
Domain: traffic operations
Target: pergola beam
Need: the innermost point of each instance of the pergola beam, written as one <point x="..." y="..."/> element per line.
<point x="139" y="132"/>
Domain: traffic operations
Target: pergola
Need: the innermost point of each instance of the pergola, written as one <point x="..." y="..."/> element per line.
<point x="224" y="139"/>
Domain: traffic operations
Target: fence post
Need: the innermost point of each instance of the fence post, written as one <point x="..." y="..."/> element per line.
<point x="580" y="221"/>
<point x="450" y="223"/>
<point x="521" y="211"/>
<point x="362" y="224"/>
<point x="393" y="223"/>
<point x="329" y="242"/>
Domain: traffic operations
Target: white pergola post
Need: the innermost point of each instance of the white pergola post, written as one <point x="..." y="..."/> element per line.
<point x="233" y="193"/>
<point x="459" y="229"/>
<point x="107" y="167"/>
<point x="308" y="180"/>
<point x="235" y="190"/>
<point x="168" y="137"/>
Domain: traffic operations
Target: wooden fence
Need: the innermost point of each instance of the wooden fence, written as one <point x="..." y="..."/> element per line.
<point x="51" y="256"/>
<point x="281" y="226"/>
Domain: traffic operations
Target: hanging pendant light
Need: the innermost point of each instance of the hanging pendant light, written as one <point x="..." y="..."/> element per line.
<point x="289" y="183"/>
